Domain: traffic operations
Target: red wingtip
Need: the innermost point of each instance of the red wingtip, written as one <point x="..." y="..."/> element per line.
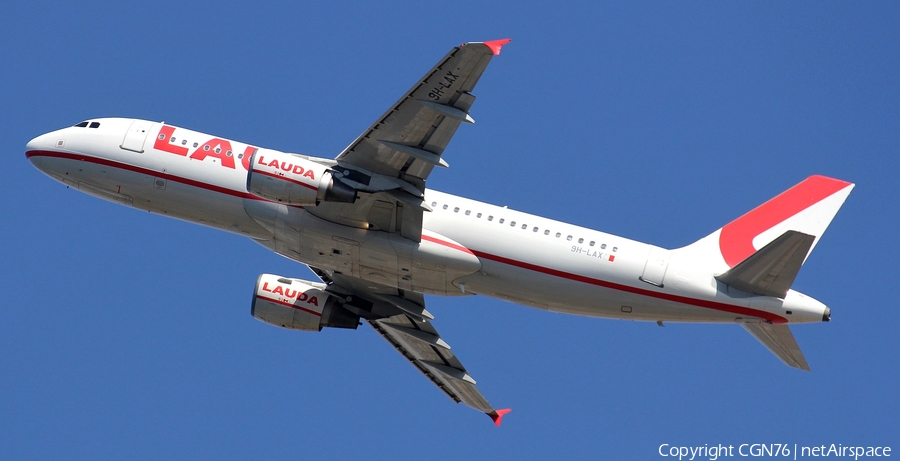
<point x="495" y="45"/>
<point x="497" y="415"/>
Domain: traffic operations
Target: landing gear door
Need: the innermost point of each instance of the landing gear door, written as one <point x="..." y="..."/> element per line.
<point x="136" y="135"/>
<point x="655" y="268"/>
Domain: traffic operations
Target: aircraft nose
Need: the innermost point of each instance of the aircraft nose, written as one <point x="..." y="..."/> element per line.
<point x="41" y="142"/>
<point x="32" y="149"/>
<point x="35" y="147"/>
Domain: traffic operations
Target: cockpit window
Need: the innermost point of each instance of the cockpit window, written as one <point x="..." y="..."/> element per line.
<point x="82" y="125"/>
<point x="95" y="125"/>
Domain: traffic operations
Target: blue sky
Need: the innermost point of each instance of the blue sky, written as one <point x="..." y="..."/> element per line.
<point x="128" y="335"/>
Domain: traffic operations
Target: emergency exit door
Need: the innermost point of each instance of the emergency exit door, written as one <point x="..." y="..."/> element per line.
<point x="136" y="136"/>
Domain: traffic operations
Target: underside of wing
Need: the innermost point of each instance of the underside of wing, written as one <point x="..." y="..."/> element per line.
<point x="408" y="140"/>
<point x="390" y="161"/>
<point x="401" y="318"/>
<point x="420" y="343"/>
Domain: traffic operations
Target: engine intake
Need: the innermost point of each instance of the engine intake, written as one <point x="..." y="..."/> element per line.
<point x="294" y="180"/>
<point x="298" y="305"/>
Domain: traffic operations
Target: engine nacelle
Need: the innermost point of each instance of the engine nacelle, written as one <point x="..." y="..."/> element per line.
<point x="294" y="180"/>
<point x="298" y="305"/>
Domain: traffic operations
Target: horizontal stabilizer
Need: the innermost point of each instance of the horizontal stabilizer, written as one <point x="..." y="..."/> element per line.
<point x="779" y="340"/>
<point x="771" y="270"/>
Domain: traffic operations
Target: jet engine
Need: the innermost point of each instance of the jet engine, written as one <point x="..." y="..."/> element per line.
<point x="298" y="305"/>
<point x="294" y="180"/>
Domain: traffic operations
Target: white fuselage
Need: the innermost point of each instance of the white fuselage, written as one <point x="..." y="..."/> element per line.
<point x="467" y="247"/>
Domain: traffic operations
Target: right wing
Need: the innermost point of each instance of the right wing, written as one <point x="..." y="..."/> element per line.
<point x="400" y="317"/>
<point x="421" y="344"/>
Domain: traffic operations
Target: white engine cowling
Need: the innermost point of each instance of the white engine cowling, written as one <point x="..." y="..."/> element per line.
<point x="294" y="180"/>
<point x="298" y="305"/>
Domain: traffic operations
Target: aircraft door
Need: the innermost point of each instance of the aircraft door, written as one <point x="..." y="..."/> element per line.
<point x="655" y="268"/>
<point x="136" y="135"/>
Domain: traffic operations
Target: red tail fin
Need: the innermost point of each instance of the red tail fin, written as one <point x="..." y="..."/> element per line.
<point x="807" y="207"/>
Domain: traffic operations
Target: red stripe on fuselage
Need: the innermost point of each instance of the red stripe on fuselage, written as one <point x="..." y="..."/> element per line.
<point x="615" y="286"/>
<point x="446" y="244"/>
<point x="638" y="291"/>
<point x="524" y="265"/>
<point x="141" y="170"/>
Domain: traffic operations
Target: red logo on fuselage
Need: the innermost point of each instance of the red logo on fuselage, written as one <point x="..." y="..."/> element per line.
<point x="292" y="294"/>
<point x="215" y="147"/>
<point x="288" y="167"/>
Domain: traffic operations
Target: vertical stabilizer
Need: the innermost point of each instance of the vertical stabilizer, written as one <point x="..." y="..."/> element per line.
<point x="806" y="208"/>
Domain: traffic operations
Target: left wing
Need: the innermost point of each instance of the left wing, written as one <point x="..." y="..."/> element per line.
<point x="408" y="140"/>
<point x="400" y="317"/>
<point x="389" y="162"/>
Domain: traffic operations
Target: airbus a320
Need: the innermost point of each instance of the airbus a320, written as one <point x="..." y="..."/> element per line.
<point x="379" y="240"/>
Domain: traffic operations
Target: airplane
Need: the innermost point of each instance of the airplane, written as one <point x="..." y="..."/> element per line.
<point x="379" y="240"/>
